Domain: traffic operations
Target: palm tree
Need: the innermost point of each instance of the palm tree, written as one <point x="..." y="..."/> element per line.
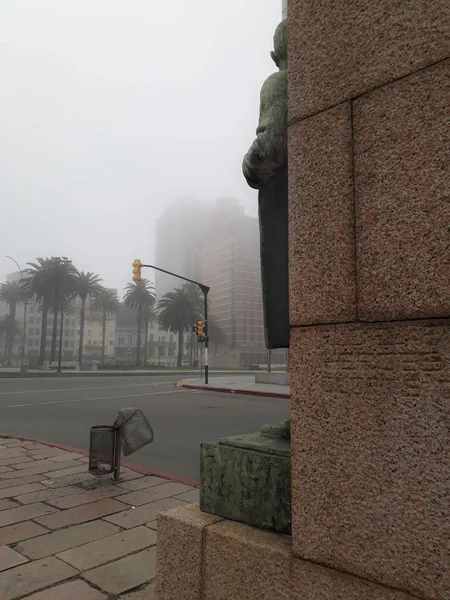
<point x="105" y="302"/>
<point x="87" y="284"/>
<point x="178" y="312"/>
<point x="50" y="280"/>
<point x="138" y="296"/>
<point x="9" y="329"/>
<point x="11" y="294"/>
<point x="150" y="316"/>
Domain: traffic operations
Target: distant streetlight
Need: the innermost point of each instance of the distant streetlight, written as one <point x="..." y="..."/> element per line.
<point x="23" y="366"/>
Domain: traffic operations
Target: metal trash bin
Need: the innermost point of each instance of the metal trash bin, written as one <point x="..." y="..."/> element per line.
<point x="103" y="448"/>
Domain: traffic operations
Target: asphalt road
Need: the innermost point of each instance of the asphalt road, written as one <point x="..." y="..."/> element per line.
<point x="63" y="410"/>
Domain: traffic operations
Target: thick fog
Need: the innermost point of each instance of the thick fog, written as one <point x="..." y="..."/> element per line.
<point x="110" y="109"/>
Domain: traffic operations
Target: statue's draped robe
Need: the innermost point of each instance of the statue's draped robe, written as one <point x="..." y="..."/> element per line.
<point x="265" y="169"/>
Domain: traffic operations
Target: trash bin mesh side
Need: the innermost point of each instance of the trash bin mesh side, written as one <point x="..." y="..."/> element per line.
<point x="101" y="449"/>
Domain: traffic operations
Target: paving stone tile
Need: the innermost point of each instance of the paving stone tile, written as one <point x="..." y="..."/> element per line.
<point x="36" y="470"/>
<point x="24" y="513"/>
<point x="143" y="514"/>
<point x="67" y="456"/>
<point x="193" y="496"/>
<point x="46" y="462"/>
<point x="69" y="480"/>
<point x="85" y="497"/>
<point x="8" y="483"/>
<point x="152" y="524"/>
<point x="15" y="460"/>
<point x="64" y="539"/>
<point x="5" y="504"/>
<point x="74" y="469"/>
<point x="146" y="593"/>
<point x="20" y="531"/>
<point x="5" y="469"/>
<point x="139" y="484"/>
<point x="158" y="492"/>
<point x="72" y="590"/>
<point x="81" y="514"/>
<point x="46" y="494"/>
<point x="51" y="453"/>
<point x="124" y="574"/>
<point x="127" y="474"/>
<point x="10" y="558"/>
<point x="17" y="490"/>
<point x="11" y="453"/>
<point x="33" y="576"/>
<point x="109" y="548"/>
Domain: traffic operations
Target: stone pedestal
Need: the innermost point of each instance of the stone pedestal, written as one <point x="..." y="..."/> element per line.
<point x="248" y="478"/>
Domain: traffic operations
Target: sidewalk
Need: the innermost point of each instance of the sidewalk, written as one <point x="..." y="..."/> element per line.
<point x="65" y="535"/>
<point x="238" y="384"/>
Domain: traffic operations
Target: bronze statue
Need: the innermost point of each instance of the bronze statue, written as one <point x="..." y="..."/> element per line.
<point x="265" y="169"/>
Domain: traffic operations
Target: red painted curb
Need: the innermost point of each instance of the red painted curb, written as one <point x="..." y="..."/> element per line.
<point x="126" y="464"/>
<point x="233" y="391"/>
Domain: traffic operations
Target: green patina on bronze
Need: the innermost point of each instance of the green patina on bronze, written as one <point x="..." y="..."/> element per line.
<point x="247" y="478"/>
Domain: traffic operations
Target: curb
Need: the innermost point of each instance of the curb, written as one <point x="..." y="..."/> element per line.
<point x="74" y="374"/>
<point x="126" y="464"/>
<point x="207" y="388"/>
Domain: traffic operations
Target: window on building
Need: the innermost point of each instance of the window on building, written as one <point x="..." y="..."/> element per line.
<point x="37" y="331"/>
<point x="66" y="343"/>
<point x="111" y="342"/>
<point x="78" y="332"/>
<point x="151" y="337"/>
<point x="36" y="342"/>
<point x="31" y="331"/>
<point x="32" y="310"/>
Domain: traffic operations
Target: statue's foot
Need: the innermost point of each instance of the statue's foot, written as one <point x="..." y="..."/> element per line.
<point x="280" y="431"/>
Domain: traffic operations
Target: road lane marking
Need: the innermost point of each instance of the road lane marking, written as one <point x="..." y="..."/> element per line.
<point x="99" y="387"/>
<point x="97" y="398"/>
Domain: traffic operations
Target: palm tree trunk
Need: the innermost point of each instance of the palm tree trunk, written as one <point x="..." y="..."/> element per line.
<point x="139" y="324"/>
<point x="45" y="307"/>
<point x="54" y="333"/>
<point x="104" y="337"/>
<point x="146" y="325"/>
<point x="180" y="348"/>
<point x="10" y="337"/>
<point x="82" y="319"/>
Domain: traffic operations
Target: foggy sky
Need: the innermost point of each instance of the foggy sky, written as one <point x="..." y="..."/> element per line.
<point x="110" y="109"/>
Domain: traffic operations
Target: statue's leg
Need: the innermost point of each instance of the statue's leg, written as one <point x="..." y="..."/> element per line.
<point x="273" y="224"/>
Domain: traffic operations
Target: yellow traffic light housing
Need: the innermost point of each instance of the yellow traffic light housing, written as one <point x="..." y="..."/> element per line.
<point x="137" y="266"/>
<point x="200" y="328"/>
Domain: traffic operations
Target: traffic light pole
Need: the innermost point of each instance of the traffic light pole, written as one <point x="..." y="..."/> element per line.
<point x="205" y="289"/>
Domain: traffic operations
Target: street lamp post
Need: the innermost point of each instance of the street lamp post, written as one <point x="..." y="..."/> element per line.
<point x="205" y="289"/>
<point x="23" y="366"/>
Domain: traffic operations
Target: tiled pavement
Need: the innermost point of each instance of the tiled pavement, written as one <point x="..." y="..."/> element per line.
<point x="65" y="535"/>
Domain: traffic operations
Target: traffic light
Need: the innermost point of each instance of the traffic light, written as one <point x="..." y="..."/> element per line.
<point x="137" y="266"/>
<point x="200" y="328"/>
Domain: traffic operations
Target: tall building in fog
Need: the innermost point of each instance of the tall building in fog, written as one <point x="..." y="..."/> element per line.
<point x="178" y="241"/>
<point x="231" y="267"/>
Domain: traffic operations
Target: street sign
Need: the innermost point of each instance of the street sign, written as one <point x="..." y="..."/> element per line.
<point x="202" y="338"/>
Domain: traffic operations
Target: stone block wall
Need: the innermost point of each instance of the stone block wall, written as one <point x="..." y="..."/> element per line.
<point x="370" y="290"/>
